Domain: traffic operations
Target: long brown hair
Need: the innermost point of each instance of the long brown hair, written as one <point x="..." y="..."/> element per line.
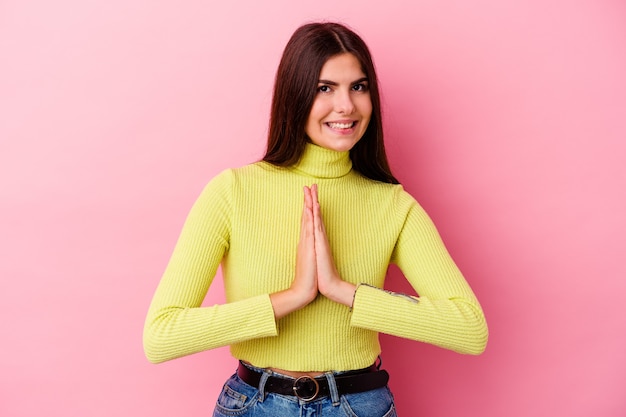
<point x="295" y="88"/>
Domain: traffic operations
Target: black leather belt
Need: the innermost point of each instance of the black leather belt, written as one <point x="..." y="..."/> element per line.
<point x="308" y="388"/>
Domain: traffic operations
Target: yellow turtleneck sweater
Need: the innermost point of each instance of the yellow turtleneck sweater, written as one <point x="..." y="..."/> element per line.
<point x="248" y="219"/>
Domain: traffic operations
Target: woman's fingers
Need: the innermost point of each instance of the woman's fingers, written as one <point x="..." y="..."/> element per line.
<point x="307" y="210"/>
<point x="317" y="211"/>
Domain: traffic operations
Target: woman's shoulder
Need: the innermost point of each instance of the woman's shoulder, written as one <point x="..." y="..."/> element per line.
<point x="395" y="190"/>
<point x="385" y="194"/>
<point x="237" y="178"/>
<point x="254" y="168"/>
<point x="243" y="172"/>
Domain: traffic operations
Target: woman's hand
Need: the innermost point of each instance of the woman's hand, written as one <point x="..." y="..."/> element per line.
<point x="329" y="282"/>
<point x="315" y="267"/>
<point x="303" y="289"/>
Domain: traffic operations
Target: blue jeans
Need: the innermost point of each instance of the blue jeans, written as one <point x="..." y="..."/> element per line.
<point x="242" y="400"/>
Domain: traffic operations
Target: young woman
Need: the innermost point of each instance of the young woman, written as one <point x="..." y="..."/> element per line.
<point x="305" y="237"/>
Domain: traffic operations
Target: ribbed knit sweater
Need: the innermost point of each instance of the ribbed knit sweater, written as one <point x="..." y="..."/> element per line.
<point x="248" y="220"/>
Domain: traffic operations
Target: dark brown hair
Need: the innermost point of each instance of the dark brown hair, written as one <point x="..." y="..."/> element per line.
<point x="295" y="88"/>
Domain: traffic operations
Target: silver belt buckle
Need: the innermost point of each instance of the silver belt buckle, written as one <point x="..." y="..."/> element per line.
<point x="297" y="385"/>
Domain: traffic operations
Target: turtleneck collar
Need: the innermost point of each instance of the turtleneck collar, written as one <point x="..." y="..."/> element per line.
<point x="320" y="162"/>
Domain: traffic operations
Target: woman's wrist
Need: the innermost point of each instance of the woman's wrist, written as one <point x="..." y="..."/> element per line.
<point x="288" y="301"/>
<point x="341" y="292"/>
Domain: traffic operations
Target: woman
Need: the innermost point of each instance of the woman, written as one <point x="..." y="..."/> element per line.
<point x="305" y="237"/>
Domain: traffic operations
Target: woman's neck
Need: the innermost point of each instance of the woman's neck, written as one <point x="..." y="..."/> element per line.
<point x="320" y="162"/>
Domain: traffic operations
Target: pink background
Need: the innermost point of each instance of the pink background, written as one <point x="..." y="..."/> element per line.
<point x="506" y="120"/>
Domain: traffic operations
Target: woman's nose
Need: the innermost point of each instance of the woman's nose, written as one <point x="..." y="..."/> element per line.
<point x="344" y="103"/>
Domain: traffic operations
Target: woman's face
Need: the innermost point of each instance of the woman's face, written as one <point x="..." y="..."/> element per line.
<point x="342" y="107"/>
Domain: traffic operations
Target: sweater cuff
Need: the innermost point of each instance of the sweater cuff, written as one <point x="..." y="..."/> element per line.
<point x="367" y="299"/>
<point x="253" y="317"/>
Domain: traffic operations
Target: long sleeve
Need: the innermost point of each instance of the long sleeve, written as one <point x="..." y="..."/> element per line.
<point x="177" y="324"/>
<point x="446" y="313"/>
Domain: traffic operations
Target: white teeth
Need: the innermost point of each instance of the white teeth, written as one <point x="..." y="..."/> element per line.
<point x="341" y="125"/>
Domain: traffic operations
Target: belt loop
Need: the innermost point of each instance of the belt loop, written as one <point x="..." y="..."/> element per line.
<point x="266" y="374"/>
<point x="332" y="388"/>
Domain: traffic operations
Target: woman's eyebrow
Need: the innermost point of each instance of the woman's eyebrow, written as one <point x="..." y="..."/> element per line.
<point x="329" y="82"/>
<point x="360" y="80"/>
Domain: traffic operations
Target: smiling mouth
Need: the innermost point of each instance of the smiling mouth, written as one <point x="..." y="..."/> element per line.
<point x="341" y="125"/>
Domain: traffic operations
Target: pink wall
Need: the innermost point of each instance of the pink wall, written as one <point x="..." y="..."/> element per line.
<point x="506" y="119"/>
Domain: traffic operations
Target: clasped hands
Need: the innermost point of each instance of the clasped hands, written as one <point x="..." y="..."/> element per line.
<point x="315" y="268"/>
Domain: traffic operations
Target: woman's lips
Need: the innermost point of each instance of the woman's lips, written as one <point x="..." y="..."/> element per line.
<point x="341" y="125"/>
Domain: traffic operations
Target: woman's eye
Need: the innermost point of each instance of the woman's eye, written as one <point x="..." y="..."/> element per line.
<point x="359" y="87"/>
<point x="323" y="89"/>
